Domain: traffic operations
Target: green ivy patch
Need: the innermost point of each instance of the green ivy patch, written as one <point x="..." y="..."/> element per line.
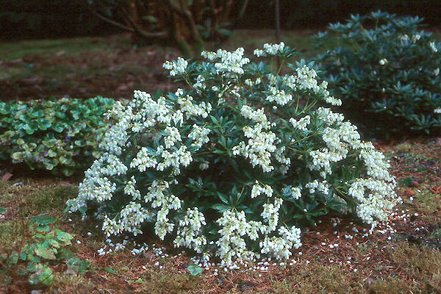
<point x="56" y="135"/>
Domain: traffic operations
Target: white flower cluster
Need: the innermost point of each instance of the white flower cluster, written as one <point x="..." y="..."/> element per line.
<point x="156" y="145"/>
<point x="270" y="50"/>
<point x="433" y="47"/>
<point x="189" y="108"/>
<point x="375" y="192"/>
<point x="142" y="113"/>
<point x="227" y="62"/>
<point x="177" y="67"/>
<point x="162" y="201"/>
<point x="143" y="160"/>
<point x="259" y="189"/>
<point x="261" y="141"/>
<point x="304" y="80"/>
<point x="189" y="232"/>
<point x="406" y="40"/>
<point x="199" y="136"/>
<point x="301" y="124"/>
<point x="278" y="96"/>
<point x="270" y="214"/>
<point x="130" y="189"/>
<point x="281" y="246"/>
<point x="131" y="217"/>
<point x="383" y="61"/>
<point x="370" y="194"/>
<point x="234" y="232"/>
<point x="296" y="192"/>
<point x="257" y="116"/>
<point x="316" y="185"/>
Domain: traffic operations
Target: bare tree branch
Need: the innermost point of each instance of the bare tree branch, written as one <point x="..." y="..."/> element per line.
<point x="227" y="10"/>
<point x="243" y="9"/>
<point x="137" y="29"/>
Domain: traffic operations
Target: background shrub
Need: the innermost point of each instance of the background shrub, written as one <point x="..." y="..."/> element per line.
<point x="386" y="70"/>
<point x="234" y="164"/>
<point x="60" y="135"/>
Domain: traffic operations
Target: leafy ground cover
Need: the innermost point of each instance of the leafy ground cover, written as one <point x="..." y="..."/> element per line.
<point x="336" y="256"/>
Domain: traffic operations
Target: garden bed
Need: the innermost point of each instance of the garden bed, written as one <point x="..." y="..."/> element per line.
<point x="336" y="256"/>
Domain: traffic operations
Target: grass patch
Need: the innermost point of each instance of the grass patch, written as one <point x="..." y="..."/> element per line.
<point x="429" y="204"/>
<point x="316" y="278"/>
<point x="60" y="47"/>
<point x="423" y="265"/>
<point x="167" y="282"/>
<point x="23" y="200"/>
<point x="71" y="284"/>
<point x="390" y="285"/>
<point x="51" y="200"/>
<point x="11" y="234"/>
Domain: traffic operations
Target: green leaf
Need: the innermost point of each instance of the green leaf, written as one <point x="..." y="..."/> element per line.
<point x="65" y="254"/>
<point x="28" y="129"/>
<point x="110" y="271"/>
<point x="42" y="229"/>
<point x="43" y="124"/>
<point x="54" y="243"/>
<point x="222" y="197"/>
<point x="2" y="210"/>
<point x="77" y="265"/>
<point x="139" y="281"/>
<point x="51" y="153"/>
<point x="63" y="237"/>
<point x="32" y="267"/>
<point x="44" y="252"/>
<point x="220" y="207"/>
<point x="43" y="275"/>
<point x="17" y="156"/>
<point x="67" y="172"/>
<point x="407" y="182"/>
<point x="46" y="276"/>
<point x="150" y="18"/>
<point x="58" y="128"/>
<point x="194" y="269"/>
<point x="13" y="258"/>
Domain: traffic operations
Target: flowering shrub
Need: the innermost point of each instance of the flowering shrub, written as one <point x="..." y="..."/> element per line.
<point x="386" y="70"/>
<point x="235" y="164"/>
<point x="57" y="135"/>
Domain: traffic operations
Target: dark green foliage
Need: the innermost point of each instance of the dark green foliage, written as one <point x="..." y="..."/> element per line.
<point x="387" y="72"/>
<point x="57" y="135"/>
